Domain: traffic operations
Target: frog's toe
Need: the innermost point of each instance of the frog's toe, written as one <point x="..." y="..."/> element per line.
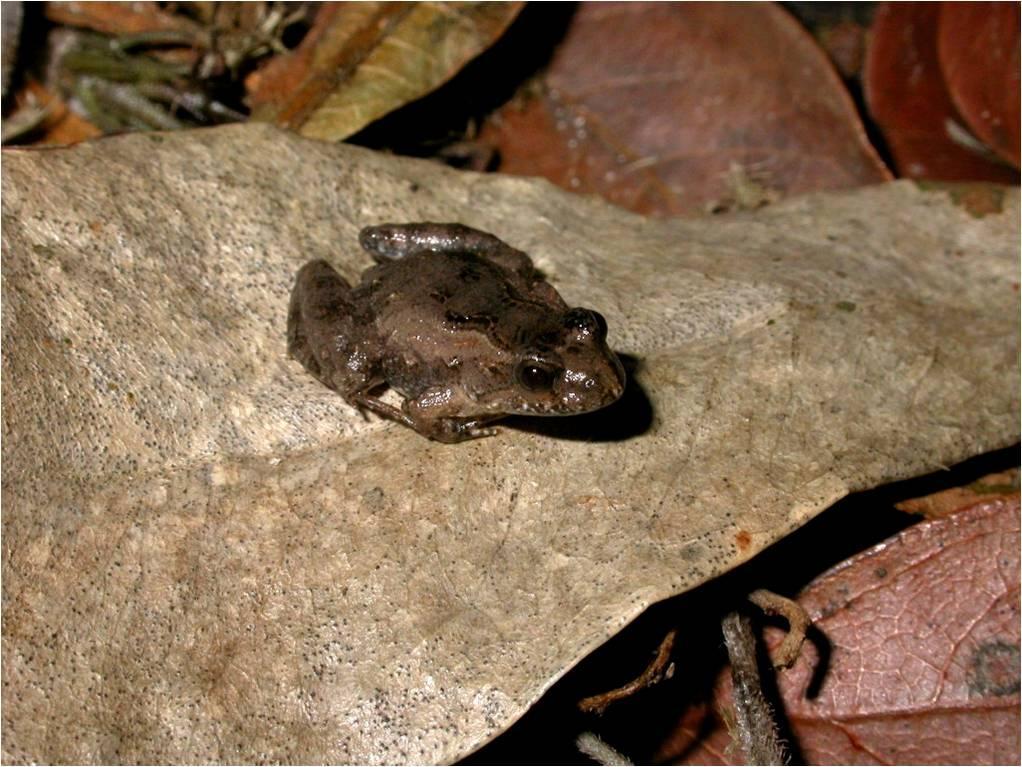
<point x="461" y="429"/>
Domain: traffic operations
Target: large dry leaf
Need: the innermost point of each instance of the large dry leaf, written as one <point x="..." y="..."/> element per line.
<point x="363" y="60"/>
<point x="209" y="556"/>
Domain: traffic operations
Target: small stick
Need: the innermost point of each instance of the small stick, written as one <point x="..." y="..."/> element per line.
<point x="754" y="722"/>
<point x="654" y="673"/>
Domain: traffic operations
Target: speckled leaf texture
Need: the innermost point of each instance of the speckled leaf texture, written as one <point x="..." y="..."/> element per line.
<point x="208" y="556"/>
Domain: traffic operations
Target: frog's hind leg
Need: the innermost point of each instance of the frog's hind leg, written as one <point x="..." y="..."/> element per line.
<point x="297" y="343"/>
<point x="321" y="323"/>
<point x="388" y="242"/>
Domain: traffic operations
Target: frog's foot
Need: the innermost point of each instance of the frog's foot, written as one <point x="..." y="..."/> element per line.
<point x="460" y="429"/>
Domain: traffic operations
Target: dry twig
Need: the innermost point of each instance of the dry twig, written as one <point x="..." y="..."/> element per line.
<point x="655" y="672"/>
<point x="798" y="623"/>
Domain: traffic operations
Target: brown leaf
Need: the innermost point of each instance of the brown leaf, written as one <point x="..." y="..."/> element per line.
<point x="978" y="46"/>
<point x="112" y="18"/>
<point x="908" y="98"/>
<point x="61" y="126"/>
<point x="363" y="60"/>
<point x="845" y="44"/>
<point x="922" y="652"/>
<point x="666" y="108"/>
<point x="291" y="86"/>
<point x="947" y="502"/>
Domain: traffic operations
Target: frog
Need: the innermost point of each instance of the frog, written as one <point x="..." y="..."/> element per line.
<point x="461" y="325"/>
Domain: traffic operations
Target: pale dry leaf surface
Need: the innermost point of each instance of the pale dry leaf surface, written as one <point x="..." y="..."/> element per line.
<point x="208" y="556"/>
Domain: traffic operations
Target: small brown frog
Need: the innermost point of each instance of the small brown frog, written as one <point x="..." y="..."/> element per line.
<point x="457" y="322"/>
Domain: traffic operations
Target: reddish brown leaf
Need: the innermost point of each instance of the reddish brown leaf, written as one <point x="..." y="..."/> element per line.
<point x="978" y="45"/>
<point x="363" y="60"/>
<point x="845" y="44"/>
<point x="947" y="502"/>
<point x="922" y="665"/>
<point x="663" y="108"/>
<point x="292" y="86"/>
<point x="61" y="126"/>
<point x="908" y="99"/>
<point x="119" y="18"/>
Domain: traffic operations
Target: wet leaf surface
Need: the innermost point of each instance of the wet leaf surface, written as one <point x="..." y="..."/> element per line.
<point x="681" y="99"/>
<point x="208" y="556"/>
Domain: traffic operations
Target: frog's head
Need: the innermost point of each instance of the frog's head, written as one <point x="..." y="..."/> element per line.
<point x="567" y="368"/>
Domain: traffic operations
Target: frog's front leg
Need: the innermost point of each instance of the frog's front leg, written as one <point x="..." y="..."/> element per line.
<point x="388" y="242"/>
<point x="433" y="414"/>
<point x="461" y="429"/>
<point x="457" y="429"/>
<point x="439" y="428"/>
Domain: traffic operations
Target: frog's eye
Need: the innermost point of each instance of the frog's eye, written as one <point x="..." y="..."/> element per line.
<point x="587" y="321"/>
<point x="535" y="376"/>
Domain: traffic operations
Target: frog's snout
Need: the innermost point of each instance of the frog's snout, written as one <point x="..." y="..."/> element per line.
<point x="595" y="384"/>
<point x="594" y="376"/>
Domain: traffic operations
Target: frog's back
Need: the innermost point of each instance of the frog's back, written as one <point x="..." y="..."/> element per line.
<point x="450" y="299"/>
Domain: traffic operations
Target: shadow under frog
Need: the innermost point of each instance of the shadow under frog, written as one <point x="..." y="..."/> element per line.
<point x="461" y="325"/>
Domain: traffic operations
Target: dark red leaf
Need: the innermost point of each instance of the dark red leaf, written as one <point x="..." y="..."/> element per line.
<point x="920" y="664"/>
<point x="978" y="45"/>
<point x="908" y="99"/>
<point x="666" y="108"/>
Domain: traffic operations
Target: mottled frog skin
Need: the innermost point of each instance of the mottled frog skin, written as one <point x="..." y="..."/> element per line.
<point x="458" y="323"/>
